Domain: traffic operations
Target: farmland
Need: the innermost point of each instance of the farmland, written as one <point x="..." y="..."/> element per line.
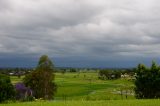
<point x="85" y="89"/>
<point x="86" y="86"/>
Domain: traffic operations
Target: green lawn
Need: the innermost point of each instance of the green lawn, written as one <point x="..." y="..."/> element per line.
<point x="90" y="103"/>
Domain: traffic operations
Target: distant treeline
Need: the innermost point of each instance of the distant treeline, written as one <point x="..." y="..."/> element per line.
<point x="15" y="71"/>
<point x="85" y="68"/>
<point x="106" y="74"/>
<point x="22" y="71"/>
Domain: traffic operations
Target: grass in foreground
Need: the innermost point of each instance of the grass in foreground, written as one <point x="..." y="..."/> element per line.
<point x="90" y="103"/>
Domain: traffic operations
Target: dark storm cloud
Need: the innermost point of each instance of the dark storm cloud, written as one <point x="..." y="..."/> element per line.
<point x="90" y="29"/>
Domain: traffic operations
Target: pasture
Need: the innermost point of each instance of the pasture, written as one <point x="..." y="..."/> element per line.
<point x="85" y="89"/>
<point x="87" y="86"/>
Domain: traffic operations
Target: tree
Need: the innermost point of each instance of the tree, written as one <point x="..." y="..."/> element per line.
<point x="41" y="80"/>
<point x="147" y="81"/>
<point x="7" y="91"/>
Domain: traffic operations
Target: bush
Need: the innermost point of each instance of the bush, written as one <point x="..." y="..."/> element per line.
<point x="7" y="91"/>
<point x="23" y="93"/>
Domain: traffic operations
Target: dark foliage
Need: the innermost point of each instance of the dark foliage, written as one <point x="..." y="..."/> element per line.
<point x="7" y="91"/>
<point x="109" y="74"/>
<point x="73" y="70"/>
<point x="147" y="82"/>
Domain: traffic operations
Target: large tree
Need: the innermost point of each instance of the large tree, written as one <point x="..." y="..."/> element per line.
<point x="148" y="81"/>
<point x="41" y="81"/>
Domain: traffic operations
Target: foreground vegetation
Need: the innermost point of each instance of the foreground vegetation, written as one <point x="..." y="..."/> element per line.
<point x="90" y="103"/>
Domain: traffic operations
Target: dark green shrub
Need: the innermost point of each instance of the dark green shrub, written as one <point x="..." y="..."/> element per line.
<point x="7" y="91"/>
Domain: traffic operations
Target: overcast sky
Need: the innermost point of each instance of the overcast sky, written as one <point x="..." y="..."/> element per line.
<point x="79" y="33"/>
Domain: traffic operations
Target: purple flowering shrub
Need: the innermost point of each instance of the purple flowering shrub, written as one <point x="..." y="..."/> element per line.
<point x="23" y="92"/>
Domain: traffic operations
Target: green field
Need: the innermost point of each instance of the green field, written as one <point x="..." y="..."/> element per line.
<point x="86" y="86"/>
<point x="85" y="89"/>
<point x="90" y="103"/>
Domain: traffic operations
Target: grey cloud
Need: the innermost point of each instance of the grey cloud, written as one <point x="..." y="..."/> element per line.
<point x="88" y="28"/>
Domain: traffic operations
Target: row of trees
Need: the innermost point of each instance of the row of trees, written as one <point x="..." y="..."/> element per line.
<point x="109" y="74"/>
<point x="15" y="71"/>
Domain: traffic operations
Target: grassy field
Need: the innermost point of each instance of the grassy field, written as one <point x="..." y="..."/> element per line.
<point x="90" y="103"/>
<point x="85" y="89"/>
<point x="86" y="86"/>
